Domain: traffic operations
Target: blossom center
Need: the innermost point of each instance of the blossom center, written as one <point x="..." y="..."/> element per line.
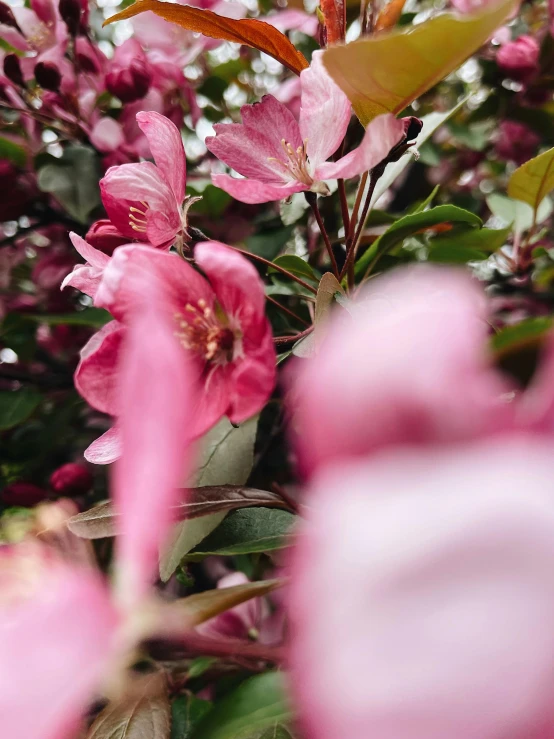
<point x="295" y="162"/>
<point x="205" y="332"/>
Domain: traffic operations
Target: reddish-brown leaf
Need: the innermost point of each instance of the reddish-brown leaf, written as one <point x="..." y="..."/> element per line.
<point x="249" y="32"/>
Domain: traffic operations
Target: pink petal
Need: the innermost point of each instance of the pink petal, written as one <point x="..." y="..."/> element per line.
<point x="56" y="645"/>
<point x="167" y="149"/>
<point x="253" y="379"/>
<point x="409" y="366"/>
<point x="106" y="449"/>
<point x="94" y="257"/>
<point x="251" y="149"/>
<point x="156" y="389"/>
<point x="293" y="19"/>
<point x="325" y="112"/>
<point x="83" y="277"/>
<point x="382" y="134"/>
<point x="96" y="375"/>
<point x="254" y="191"/>
<point x="422" y="597"/>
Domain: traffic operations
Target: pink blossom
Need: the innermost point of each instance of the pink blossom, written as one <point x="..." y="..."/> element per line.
<point x="144" y="200"/>
<point x="409" y="366"/>
<point x="129" y="75"/>
<point x="519" y="58"/>
<point x="422" y="601"/>
<point x="220" y="323"/>
<point x="515" y="142"/>
<point x="279" y="155"/>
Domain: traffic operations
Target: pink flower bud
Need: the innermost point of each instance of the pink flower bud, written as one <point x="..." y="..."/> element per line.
<point x="48" y="76"/>
<point x="519" y="59"/>
<point x="12" y="70"/>
<point x="71" y="479"/>
<point x="105" y="237"/>
<point x="130" y="73"/>
<point x="515" y="142"/>
<point x="22" y="494"/>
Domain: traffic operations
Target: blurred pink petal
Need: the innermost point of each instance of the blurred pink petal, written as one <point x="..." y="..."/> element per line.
<point x="106" y="449"/>
<point x="422" y="597"/>
<point x="86" y="277"/>
<point x="156" y="388"/>
<point x="95" y="378"/>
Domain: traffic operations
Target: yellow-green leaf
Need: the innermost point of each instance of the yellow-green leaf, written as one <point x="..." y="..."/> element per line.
<point x="386" y="72"/>
<point x="533" y="180"/>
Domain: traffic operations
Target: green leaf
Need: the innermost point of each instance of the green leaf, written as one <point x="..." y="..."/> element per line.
<point x="186" y="712"/>
<point x="411" y="224"/>
<point x="517" y="212"/>
<point x="532" y="182"/>
<point x="431" y="123"/>
<point x="386" y="72"/>
<point x="247" y="531"/>
<point x="16" y="406"/>
<point x="185" y="536"/>
<point x="276" y="732"/>
<point x="12" y="152"/>
<point x="95" y="317"/>
<point x="467" y="244"/>
<point x="257" y="704"/>
<point x="296" y="265"/>
<point x="227" y="457"/>
<point x="227" y="454"/>
<point x="213" y="203"/>
<point x="529" y="332"/>
<point x="428" y="200"/>
<point x="199" y="666"/>
<point x="73" y="181"/>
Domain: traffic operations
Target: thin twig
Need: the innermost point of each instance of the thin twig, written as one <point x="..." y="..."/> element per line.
<point x="286" y="310"/>
<point x="344" y="207"/>
<point x="295" y="337"/>
<point x="278" y="268"/>
<point x="312" y="200"/>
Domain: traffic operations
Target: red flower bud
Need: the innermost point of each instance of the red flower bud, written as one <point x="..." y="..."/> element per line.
<point x="48" y="76"/>
<point x="12" y="70"/>
<point x="7" y="18"/>
<point x="71" y="479"/>
<point x="70" y="11"/>
<point x="519" y="59"/>
<point x="104" y="236"/>
<point x="515" y="142"/>
<point x="130" y="73"/>
<point x="22" y="494"/>
<point x="412" y="127"/>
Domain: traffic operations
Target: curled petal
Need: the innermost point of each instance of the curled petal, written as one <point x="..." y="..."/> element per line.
<point x="96" y="375"/>
<point x="167" y="149"/>
<point x="382" y="134"/>
<point x="106" y="449"/>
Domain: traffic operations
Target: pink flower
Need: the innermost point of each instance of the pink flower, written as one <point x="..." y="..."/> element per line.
<point x="515" y="142"/>
<point x="410" y="367"/>
<point x="220" y="323"/>
<point x="129" y="74"/>
<point x="144" y="200"/>
<point x="62" y="633"/>
<point x="519" y="58"/>
<point x="422" y="600"/>
<point x="279" y="155"/>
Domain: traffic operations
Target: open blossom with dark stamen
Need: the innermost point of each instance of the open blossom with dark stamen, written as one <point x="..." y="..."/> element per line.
<point x="278" y="155"/>
<point x="145" y="201"/>
<point x="220" y="324"/>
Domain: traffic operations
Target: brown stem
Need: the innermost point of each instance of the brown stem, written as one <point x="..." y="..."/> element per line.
<point x="312" y="200"/>
<point x="296" y="337"/>
<point x="344" y="207"/>
<point x="359" y="194"/>
<point x="352" y="246"/>
<point x="278" y="268"/>
<point x="286" y="310"/>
